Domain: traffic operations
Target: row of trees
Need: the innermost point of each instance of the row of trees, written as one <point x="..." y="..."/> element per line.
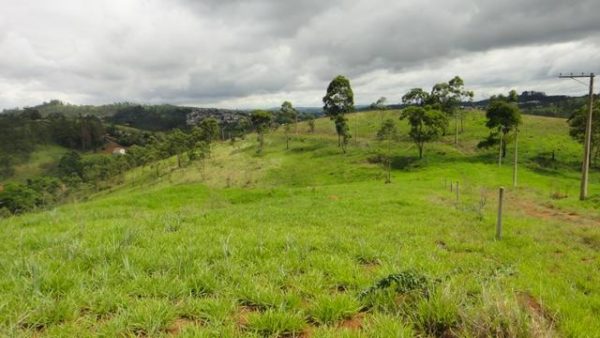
<point x="428" y="113"/>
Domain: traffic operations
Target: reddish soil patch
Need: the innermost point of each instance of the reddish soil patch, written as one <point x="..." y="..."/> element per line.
<point x="334" y="197"/>
<point x="353" y="323"/>
<point x="180" y="324"/>
<point x="307" y="332"/>
<point x="534" y="307"/>
<point x="548" y="212"/>
<point x="241" y="317"/>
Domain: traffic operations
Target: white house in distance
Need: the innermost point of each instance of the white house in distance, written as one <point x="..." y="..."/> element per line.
<point x="119" y="151"/>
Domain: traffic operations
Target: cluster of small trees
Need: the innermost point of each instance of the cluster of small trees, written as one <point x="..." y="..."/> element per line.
<point x="97" y="171"/>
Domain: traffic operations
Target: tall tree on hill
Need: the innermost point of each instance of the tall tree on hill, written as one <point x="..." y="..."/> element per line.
<point x="209" y="131"/>
<point x="503" y="117"/>
<point x="343" y="131"/>
<point x="416" y="97"/>
<point x="380" y="106"/>
<point x="338" y="101"/>
<point x="288" y="115"/>
<point x="448" y="97"/>
<point x="177" y="142"/>
<point x="426" y="125"/>
<point x="261" y="120"/>
<point x="388" y="132"/>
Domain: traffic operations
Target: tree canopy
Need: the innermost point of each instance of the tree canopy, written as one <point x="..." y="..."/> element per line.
<point x="426" y="125"/>
<point x="339" y="98"/>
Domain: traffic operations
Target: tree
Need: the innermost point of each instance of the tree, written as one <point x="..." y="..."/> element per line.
<point x="209" y="131"/>
<point x="288" y="115"/>
<point x="388" y="132"/>
<point x="416" y="97"/>
<point x="18" y="198"/>
<point x="577" y="124"/>
<point x="448" y="97"/>
<point x="426" y="125"/>
<point x="338" y="101"/>
<point x="503" y="117"/>
<point x="380" y="106"/>
<point x="177" y="142"/>
<point x="261" y="120"/>
<point x="311" y="125"/>
<point x="343" y="131"/>
<point x="70" y="165"/>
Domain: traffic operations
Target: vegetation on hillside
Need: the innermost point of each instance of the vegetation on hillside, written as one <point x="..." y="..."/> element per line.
<point x="305" y="241"/>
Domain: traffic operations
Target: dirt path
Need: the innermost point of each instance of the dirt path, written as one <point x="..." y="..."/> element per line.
<point x="551" y="213"/>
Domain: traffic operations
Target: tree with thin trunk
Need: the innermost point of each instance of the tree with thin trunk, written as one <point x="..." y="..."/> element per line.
<point x="380" y="106"/>
<point x="503" y="119"/>
<point x="426" y="125"/>
<point x="338" y="101"/>
<point x="288" y="115"/>
<point x="448" y="97"/>
<point x="343" y="131"/>
<point x="261" y="120"/>
<point x="388" y="132"/>
<point x="208" y="131"/>
<point x="311" y="125"/>
<point x="177" y="142"/>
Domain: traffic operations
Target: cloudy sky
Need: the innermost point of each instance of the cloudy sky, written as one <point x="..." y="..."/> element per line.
<point x="257" y="53"/>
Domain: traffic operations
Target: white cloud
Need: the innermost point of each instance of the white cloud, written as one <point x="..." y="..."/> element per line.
<point x="257" y="53"/>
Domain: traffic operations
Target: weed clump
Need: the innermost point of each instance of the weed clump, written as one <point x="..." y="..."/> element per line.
<point x="404" y="282"/>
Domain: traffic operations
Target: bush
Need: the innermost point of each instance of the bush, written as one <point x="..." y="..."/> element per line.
<point x="18" y="198"/>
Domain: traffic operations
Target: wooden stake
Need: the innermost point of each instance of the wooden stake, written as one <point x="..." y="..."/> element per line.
<point x="499" y="222"/>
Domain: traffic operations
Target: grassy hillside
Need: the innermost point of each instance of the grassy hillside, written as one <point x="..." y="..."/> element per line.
<point x="304" y="242"/>
<point x="42" y="160"/>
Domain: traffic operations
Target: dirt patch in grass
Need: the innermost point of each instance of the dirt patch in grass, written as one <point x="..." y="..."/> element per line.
<point x="353" y="323"/>
<point x="543" y="320"/>
<point x="180" y="324"/>
<point x="548" y="212"/>
<point x="307" y="332"/>
<point x="241" y="317"/>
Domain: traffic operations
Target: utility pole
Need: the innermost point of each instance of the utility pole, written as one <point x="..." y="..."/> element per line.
<point x="585" y="167"/>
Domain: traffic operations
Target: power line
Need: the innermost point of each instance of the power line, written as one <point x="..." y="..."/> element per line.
<point x="585" y="167"/>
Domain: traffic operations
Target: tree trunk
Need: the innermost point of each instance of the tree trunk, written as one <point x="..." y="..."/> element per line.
<point x="178" y="160"/>
<point x="420" y="146"/>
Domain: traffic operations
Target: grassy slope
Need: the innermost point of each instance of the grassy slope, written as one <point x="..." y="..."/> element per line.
<point x="44" y="158"/>
<point x="285" y="242"/>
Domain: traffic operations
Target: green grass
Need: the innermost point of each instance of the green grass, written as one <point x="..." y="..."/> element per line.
<point x="43" y="160"/>
<point x="285" y="244"/>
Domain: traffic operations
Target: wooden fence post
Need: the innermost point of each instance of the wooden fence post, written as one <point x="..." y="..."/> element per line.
<point x="499" y="222"/>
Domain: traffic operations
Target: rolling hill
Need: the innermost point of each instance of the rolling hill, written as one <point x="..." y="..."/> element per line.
<point x="310" y="242"/>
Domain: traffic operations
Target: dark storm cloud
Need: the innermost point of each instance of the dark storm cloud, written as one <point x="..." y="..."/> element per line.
<point x="259" y="52"/>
